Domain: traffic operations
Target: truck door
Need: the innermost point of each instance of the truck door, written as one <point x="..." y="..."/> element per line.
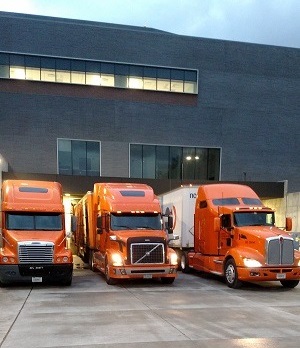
<point x="225" y="237"/>
<point x="102" y="233"/>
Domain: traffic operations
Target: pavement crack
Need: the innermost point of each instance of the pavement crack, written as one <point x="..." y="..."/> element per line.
<point x="16" y="318"/>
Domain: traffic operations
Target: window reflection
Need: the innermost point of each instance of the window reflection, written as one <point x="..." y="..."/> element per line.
<point x="76" y="157"/>
<point x="33" y="74"/>
<point x="93" y="79"/>
<point x="38" y="221"/>
<point x="148" y="161"/>
<point x="17" y="72"/>
<point x="95" y="73"/>
<point x="78" y="77"/>
<point x="136" y="161"/>
<point x="174" y="162"/>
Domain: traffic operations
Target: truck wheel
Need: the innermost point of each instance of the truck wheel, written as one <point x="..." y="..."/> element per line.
<point x="91" y="261"/>
<point x="184" y="262"/>
<point x="231" y="275"/>
<point x="86" y="255"/>
<point x="289" y="283"/>
<point x="109" y="280"/>
<point x="168" y="280"/>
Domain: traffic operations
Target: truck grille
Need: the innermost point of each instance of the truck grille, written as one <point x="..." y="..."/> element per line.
<point x="280" y="251"/>
<point x="36" y="252"/>
<point x="145" y="253"/>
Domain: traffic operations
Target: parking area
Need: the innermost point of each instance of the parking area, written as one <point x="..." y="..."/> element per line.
<point x="195" y="311"/>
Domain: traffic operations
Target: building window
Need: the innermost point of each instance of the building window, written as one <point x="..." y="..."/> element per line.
<point x="96" y="73"/>
<point x="77" y="157"/>
<point x="174" y="162"/>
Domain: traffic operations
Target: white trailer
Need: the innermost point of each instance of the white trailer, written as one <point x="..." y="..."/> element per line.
<point x="181" y="203"/>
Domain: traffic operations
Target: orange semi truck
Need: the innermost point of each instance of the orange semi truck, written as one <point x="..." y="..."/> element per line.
<point x="33" y="244"/>
<point x="235" y="237"/>
<point x="119" y="231"/>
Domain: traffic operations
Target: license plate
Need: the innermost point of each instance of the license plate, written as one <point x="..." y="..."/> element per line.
<point x="37" y="279"/>
<point x="280" y="275"/>
<point x="147" y="276"/>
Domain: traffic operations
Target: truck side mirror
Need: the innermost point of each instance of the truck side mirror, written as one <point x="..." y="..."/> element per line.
<point x="288" y="224"/>
<point x="169" y="224"/>
<point x="73" y="223"/>
<point x="217" y="224"/>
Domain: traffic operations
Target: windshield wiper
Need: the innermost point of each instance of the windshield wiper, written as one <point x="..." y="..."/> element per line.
<point x="145" y="228"/>
<point x="122" y="226"/>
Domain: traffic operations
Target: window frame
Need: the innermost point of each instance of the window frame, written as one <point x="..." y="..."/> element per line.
<point x="70" y="169"/>
<point x="98" y="73"/>
<point x="178" y="170"/>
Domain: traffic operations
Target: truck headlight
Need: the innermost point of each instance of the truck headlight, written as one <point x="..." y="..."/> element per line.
<point x="173" y="259"/>
<point x="251" y="263"/>
<point x="117" y="260"/>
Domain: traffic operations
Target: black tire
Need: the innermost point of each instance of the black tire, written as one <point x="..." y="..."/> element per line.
<point x="231" y="275"/>
<point x="109" y="280"/>
<point x="184" y="263"/>
<point x="91" y="260"/>
<point x="289" y="283"/>
<point x="168" y="280"/>
<point x="92" y="263"/>
<point x="86" y="255"/>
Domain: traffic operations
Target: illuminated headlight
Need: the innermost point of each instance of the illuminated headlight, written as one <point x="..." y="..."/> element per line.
<point x="299" y="263"/>
<point x="251" y="263"/>
<point x="65" y="259"/>
<point x="173" y="259"/>
<point x="117" y="260"/>
<point x="5" y="259"/>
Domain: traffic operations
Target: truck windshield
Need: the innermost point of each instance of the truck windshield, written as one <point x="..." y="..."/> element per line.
<point x="31" y="222"/>
<point x="136" y="222"/>
<point x="254" y="219"/>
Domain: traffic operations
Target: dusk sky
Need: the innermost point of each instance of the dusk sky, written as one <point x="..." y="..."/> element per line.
<point x="270" y="22"/>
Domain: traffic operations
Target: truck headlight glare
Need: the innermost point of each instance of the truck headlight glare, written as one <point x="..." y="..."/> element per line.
<point x="117" y="260"/>
<point x="251" y="263"/>
<point x="173" y="259"/>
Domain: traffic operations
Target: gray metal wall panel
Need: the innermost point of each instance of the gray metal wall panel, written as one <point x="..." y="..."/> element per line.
<point x="114" y="156"/>
<point x="248" y="101"/>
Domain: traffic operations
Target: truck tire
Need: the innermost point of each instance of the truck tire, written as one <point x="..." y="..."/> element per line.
<point x="86" y="255"/>
<point x="184" y="263"/>
<point x="166" y="280"/>
<point x="91" y="262"/>
<point x="231" y="275"/>
<point x="109" y="280"/>
<point x="289" y="283"/>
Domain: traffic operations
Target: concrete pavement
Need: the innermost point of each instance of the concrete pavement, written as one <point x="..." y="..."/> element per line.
<point x="195" y="311"/>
